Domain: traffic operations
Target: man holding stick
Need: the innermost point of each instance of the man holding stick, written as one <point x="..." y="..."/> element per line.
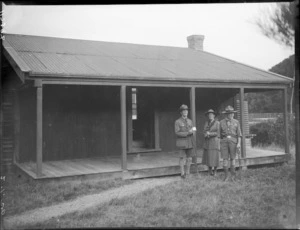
<point x="230" y="131"/>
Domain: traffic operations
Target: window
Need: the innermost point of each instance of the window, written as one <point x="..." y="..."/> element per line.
<point x="134" y="103"/>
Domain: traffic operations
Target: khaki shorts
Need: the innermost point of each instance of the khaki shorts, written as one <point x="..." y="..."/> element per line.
<point x="186" y="153"/>
<point x="228" y="149"/>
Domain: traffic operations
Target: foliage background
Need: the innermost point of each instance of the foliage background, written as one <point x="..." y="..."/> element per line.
<point x="272" y="131"/>
<point x="271" y="101"/>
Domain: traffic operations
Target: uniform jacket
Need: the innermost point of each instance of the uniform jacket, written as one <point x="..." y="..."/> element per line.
<point x="213" y="141"/>
<point x="184" y="140"/>
<point x="230" y="128"/>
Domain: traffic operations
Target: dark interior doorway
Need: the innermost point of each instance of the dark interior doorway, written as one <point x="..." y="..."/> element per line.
<point x="143" y="137"/>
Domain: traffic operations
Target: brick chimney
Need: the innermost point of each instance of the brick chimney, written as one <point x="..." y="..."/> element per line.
<point x="195" y="42"/>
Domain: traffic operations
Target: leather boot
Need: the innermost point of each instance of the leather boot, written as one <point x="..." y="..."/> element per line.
<point x="226" y="174"/>
<point x="232" y="171"/>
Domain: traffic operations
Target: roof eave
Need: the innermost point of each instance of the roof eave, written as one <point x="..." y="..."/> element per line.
<point x="20" y="67"/>
<point x="183" y="81"/>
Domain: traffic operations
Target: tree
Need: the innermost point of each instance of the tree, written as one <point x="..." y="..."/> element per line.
<point x="279" y="24"/>
<point x="287" y="68"/>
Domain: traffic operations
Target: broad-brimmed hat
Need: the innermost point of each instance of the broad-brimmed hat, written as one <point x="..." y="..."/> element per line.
<point x="229" y="109"/>
<point x="183" y="107"/>
<point x="210" y="111"/>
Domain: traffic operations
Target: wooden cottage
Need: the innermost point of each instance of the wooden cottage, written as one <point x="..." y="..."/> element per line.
<point x="77" y="107"/>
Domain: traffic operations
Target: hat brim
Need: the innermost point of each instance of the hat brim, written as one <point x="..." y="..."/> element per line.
<point x="226" y="112"/>
<point x="210" y="112"/>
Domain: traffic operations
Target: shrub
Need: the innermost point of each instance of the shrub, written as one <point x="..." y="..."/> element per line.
<point x="262" y="134"/>
<point x="272" y="131"/>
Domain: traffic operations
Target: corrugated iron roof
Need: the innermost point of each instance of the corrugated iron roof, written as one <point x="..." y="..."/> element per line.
<point x="49" y="56"/>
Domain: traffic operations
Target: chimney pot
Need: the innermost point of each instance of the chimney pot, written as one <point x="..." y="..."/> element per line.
<point x="195" y="42"/>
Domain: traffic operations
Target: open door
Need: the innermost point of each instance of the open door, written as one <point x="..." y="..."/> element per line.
<point x="142" y="122"/>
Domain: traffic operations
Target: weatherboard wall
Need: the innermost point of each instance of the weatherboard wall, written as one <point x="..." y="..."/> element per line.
<point x="27" y="103"/>
<point x="80" y="122"/>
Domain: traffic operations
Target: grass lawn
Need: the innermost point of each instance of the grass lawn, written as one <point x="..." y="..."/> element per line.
<point x="265" y="198"/>
<point x="23" y="194"/>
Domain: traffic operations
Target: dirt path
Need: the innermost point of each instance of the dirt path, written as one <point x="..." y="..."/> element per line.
<point x="83" y="202"/>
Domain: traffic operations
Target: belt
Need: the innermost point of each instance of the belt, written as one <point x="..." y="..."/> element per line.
<point x="228" y="136"/>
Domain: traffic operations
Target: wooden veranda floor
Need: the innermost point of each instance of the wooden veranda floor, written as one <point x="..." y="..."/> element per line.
<point x="138" y="165"/>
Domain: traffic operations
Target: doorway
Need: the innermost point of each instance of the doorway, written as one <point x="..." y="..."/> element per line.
<point x="143" y="134"/>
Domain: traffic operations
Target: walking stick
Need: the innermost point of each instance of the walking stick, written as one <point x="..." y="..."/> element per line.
<point x="194" y="158"/>
<point x="240" y="164"/>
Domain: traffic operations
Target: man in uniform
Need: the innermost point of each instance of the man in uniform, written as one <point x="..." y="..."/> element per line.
<point x="184" y="131"/>
<point x="230" y="132"/>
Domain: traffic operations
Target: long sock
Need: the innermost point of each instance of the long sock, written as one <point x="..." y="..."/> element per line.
<point x="188" y="165"/>
<point x="209" y="170"/>
<point x="226" y="173"/>
<point x="181" y="164"/>
<point x="232" y="170"/>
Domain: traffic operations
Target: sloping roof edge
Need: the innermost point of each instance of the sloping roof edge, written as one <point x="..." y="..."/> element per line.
<point x="16" y="62"/>
<point x="269" y="72"/>
<point x="24" y="67"/>
<point x="19" y="61"/>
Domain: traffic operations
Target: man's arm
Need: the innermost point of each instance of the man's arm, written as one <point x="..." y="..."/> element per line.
<point x="177" y="131"/>
<point x="239" y="142"/>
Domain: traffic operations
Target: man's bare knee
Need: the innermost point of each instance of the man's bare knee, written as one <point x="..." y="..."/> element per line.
<point x="232" y="162"/>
